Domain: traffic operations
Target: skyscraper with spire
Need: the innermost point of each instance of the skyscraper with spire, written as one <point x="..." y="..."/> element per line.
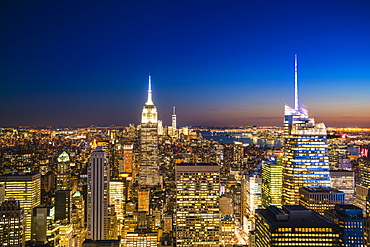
<point x="174" y="125"/>
<point x="148" y="172"/>
<point x="305" y="161"/>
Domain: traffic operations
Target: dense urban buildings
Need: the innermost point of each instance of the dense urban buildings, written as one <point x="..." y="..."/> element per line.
<point x="155" y="185"/>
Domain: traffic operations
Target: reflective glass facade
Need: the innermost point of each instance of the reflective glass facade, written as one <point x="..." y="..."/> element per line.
<point x="305" y="161"/>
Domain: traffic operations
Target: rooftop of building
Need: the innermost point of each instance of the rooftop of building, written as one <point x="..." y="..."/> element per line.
<point x="198" y="167"/>
<point x="320" y="190"/>
<point x="197" y="164"/>
<point x="293" y="216"/>
<point x="339" y="173"/>
<point x="20" y="176"/>
<point x="348" y="209"/>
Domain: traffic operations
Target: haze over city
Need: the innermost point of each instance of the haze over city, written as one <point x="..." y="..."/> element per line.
<point x="221" y="63"/>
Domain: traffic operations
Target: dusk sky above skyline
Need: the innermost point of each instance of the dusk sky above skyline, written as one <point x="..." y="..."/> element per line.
<point x="221" y="63"/>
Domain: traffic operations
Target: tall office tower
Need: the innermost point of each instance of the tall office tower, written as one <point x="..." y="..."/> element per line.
<point x="63" y="205"/>
<point x="63" y="172"/>
<point x="344" y="180"/>
<point x="143" y="200"/>
<point x="351" y="222"/>
<point x="117" y="197"/>
<point x="78" y="218"/>
<point x="253" y="198"/>
<point x="320" y="199"/>
<point x="305" y="161"/>
<point x="271" y="182"/>
<point x="174" y="124"/>
<point x="294" y="225"/>
<point x="148" y="174"/>
<point x="44" y="227"/>
<point x="362" y="188"/>
<point x="128" y="162"/>
<point x="66" y="235"/>
<point x="367" y="222"/>
<point x="98" y="196"/>
<point x="227" y="227"/>
<point x="197" y="198"/>
<point x="12" y="224"/>
<point x="25" y="188"/>
<point x="337" y="149"/>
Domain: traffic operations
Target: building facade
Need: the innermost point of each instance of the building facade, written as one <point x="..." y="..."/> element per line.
<point x="197" y="198"/>
<point x="272" y="182"/>
<point x="98" y="196"/>
<point x="148" y="172"/>
<point x="25" y="188"/>
<point x="305" y="161"/>
<point x="12" y="224"/>
<point x="351" y="222"/>
<point x="294" y="225"/>
<point x="320" y="199"/>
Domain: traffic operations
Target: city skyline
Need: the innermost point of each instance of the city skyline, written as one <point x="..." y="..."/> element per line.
<point x="218" y="63"/>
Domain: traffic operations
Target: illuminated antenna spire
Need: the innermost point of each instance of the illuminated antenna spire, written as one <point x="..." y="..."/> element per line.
<point x="296" y="102"/>
<point x="149" y="101"/>
<point x="174" y="113"/>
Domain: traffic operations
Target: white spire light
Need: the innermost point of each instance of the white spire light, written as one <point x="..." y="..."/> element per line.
<point x="296" y="102"/>
<point x="149" y="101"/>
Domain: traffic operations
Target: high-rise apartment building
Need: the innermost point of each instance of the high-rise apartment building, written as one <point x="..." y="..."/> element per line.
<point x="128" y="163"/>
<point x="305" y="161"/>
<point x="12" y="224"/>
<point x="25" y="188"/>
<point x="148" y="173"/>
<point x="98" y="196"/>
<point x="197" y="198"/>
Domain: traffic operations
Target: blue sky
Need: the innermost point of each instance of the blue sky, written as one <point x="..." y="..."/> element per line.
<point x="219" y="62"/>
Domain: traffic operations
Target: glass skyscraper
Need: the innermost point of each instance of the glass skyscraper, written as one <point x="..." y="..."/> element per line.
<point x="305" y="161"/>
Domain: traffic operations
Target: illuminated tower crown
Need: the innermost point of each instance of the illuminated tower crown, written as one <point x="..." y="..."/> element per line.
<point x="149" y="114"/>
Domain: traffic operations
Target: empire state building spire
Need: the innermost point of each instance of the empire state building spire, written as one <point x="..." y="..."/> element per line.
<point x="150" y="100"/>
<point x="149" y="114"/>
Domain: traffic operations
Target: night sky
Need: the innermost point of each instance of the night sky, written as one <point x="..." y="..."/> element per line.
<point x="221" y="63"/>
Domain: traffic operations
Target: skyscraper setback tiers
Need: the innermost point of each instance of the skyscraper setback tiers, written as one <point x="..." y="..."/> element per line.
<point x="148" y="171"/>
<point x="156" y="185"/>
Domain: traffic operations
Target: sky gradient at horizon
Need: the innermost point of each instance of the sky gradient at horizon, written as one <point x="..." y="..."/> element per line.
<point x="221" y="63"/>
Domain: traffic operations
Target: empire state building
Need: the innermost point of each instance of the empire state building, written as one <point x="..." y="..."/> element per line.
<point x="148" y="173"/>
